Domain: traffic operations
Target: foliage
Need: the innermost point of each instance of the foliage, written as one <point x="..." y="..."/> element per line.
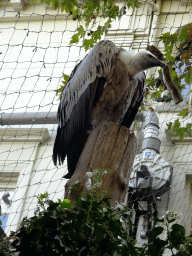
<point x="180" y="42"/>
<point x="151" y="86"/>
<point x="91" y="224"/>
<point x="178" y="130"/>
<point x="64" y="82"/>
<point x="84" y="229"/>
<point x="176" y="239"/>
<point x="96" y="191"/>
<point x="86" y="13"/>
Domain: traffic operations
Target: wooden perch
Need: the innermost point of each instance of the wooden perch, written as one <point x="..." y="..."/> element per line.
<point x="109" y="146"/>
<point x="177" y="97"/>
<point x="166" y="75"/>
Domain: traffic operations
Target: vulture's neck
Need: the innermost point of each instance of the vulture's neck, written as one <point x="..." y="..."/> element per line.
<point x="133" y="62"/>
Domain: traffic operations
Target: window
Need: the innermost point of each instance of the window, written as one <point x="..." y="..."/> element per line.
<point x="4" y="221"/>
<point x="5" y="202"/>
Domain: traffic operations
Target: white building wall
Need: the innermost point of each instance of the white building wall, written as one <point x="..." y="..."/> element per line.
<point x="175" y="14"/>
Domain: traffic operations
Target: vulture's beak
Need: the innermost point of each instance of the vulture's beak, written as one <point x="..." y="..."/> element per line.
<point x="162" y="63"/>
<point x="157" y="63"/>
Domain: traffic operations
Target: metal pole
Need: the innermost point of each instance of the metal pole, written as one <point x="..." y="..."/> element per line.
<point x="28" y="118"/>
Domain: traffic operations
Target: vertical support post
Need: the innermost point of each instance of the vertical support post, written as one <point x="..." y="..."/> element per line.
<point x="109" y="146"/>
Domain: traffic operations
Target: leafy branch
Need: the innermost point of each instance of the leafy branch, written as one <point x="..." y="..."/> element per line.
<point x="181" y="43"/>
<point x="64" y="82"/>
<point x="86" y="13"/>
<point x="88" y="226"/>
<point x="180" y="131"/>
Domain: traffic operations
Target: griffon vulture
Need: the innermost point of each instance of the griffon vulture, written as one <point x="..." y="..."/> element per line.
<point x="92" y="96"/>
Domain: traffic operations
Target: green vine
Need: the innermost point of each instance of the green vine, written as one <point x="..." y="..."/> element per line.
<point x="86" y="12"/>
<point x="58" y="228"/>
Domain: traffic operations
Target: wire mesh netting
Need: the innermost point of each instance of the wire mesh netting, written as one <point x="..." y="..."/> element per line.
<point x="34" y="52"/>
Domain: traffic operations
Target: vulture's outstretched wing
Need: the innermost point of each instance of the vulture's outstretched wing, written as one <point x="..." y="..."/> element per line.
<point x="82" y="91"/>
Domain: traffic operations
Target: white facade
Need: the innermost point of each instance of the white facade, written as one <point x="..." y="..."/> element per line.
<point x="34" y="47"/>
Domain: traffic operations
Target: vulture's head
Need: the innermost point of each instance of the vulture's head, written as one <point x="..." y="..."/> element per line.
<point x="140" y="61"/>
<point x="148" y="60"/>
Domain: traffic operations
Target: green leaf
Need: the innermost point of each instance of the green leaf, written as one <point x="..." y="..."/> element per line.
<point x="189" y="129"/>
<point x="68" y="5"/>
<point x="156" y="232"/>
<point x="151" y="82"/>
<point x="180" y="131"/>
<point x="184" y="112"/>
<point x="184" y="34"/>
<point x="74" y="39"/>
<point x="169" y="125"/>
<point x="177" y="81"/>
<point x="99" y="231"/>
<point x="66" y="78"/>
<point x="81" y="31"/>
<point x="133" y="3"/>
<point x="65" y="205"/>
<point x="67" y="201"/>
<point x="64" y="82"/>
<point x="171" y="220"/>
<point x="143" y="108"/>
<point x="171" y="58"/>
<point x="188" y="78"/>
<point x="55" y="4"/>
<point x="157" y="247"/>
<point x="45" y="195"/>
<point x="87" y="43"/>
<point x="176" y="124"/>
<point x="177" y="235"/>
<point x="156" y="94"/>
<point x="173" y="73"/>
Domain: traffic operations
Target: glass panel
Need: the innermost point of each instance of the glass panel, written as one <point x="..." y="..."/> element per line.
<point x="4" y="221"/>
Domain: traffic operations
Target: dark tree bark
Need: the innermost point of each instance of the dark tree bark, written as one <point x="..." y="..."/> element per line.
<point x="177" y="97"/>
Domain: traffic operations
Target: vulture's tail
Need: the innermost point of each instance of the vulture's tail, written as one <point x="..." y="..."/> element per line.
<point x="59" y="149"/>
<point x="73" y="150"/>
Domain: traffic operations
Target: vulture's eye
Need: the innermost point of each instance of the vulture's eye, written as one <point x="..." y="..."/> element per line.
<point x="150" y="56"/>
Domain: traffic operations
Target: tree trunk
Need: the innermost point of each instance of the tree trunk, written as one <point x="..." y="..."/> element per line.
<point x="109" y="146"/>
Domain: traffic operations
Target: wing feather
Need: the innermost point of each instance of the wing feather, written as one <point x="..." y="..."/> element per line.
<point x="98" y="63"/>
<point x="83" y="89"/>
<point x="136" y="100"/>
